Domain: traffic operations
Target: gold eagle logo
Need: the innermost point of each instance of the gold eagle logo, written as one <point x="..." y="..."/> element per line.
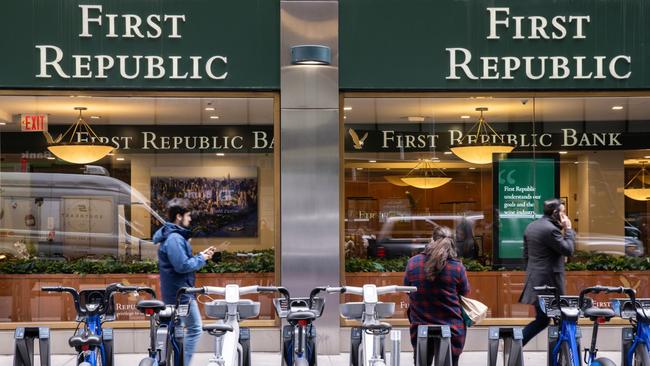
<point x="358" y="142"/>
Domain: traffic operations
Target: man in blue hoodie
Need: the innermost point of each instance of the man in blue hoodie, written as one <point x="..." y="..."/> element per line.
<point x="178" y="266"/>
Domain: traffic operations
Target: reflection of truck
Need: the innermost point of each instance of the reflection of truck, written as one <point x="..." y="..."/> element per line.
<point x="403" y="236"/>
<point x="72" y="216"/>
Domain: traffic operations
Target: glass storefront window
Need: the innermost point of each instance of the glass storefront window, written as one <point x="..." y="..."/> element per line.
<point x="588" y="151"/>
<point x="217" y="152"/>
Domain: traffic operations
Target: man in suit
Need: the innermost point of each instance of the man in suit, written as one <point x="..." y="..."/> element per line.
<point x="547" y="242"/>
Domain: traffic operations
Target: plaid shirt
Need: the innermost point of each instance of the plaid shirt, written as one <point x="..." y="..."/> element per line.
<point x="437" y="301"/>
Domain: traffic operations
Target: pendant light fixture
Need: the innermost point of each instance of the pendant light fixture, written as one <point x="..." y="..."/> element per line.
<point x="429" y="176"/>
<point x="481" y="142"/>
<point x="66" y="148"/>
<point x="638" y="194"/>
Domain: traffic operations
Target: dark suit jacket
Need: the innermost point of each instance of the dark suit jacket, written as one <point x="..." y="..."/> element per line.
<point x="545" y="248"/>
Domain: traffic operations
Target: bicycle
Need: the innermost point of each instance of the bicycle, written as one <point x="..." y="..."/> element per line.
<point x="565" y="312"/>
<point x="637" y="311"/>
<point x="165" y="331"/>
<point x="94" y="307"/>
<point x="229" y="349"/>
<point x="371" y="350"/>
<point x="299" y="336"/>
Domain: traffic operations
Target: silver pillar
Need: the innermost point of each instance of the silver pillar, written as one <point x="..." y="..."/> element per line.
<point x="309" y="143"/>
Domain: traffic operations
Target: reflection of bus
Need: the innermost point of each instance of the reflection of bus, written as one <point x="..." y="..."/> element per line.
<point x="403" y="236"/>
<point x="72" y="216"/>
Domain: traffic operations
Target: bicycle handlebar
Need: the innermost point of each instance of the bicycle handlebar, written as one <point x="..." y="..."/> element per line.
<point x="599" y="289"/>
<point x="71" y="291"/>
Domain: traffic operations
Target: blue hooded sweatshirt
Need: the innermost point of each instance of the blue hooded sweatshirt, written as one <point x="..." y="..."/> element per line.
<point x="176" y="263"/>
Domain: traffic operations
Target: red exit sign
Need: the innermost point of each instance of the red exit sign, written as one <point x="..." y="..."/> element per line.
<point x="33" y="122"/>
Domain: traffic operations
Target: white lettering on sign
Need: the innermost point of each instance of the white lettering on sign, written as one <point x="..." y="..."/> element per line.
<point x="33" y="122"/>
<point x="462" y="64"/>
<point x="96" y="23"/>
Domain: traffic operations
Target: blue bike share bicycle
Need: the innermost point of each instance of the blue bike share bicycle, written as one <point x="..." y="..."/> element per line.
<point x="94" y="307"/>
<point x="565" y="312"/>
<point x="636" y="340"/>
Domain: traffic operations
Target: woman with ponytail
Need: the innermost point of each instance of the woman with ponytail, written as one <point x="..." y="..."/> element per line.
<point x="441" y="280"/>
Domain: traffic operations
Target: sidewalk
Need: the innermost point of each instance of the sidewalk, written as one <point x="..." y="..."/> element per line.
<point x="273" y="359"/>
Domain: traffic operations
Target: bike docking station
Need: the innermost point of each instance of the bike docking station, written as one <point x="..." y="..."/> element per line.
<point x="24" y="348"/>
<point x="439" y="336"/>
<point x="512" y="345"/>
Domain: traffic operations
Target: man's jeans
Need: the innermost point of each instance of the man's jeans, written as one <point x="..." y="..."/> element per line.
<point x="193" y="330"/>
<point x="536" y="326"/>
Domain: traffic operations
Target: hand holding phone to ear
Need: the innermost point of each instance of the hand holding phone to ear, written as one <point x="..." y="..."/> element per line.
<point x="565" y="221"/>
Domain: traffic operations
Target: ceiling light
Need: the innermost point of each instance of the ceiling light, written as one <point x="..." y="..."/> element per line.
<point x="65" y="147"/>
<point x="95" y="117"/>
<point x="120" y="159"/>
<point x="428" y="179"/>
<point x="487" y="142"/>
<point x="209" y="109"/>
<point x="345" y="117"/>
<point x="347" y="108"/>
<point x="448" y="153"/>
<point x="617" y="107"/>
<point x="3" y="123"/>
<point x="51" y="158"/>
<point x="415" y="118"/>
<point x="647" y="157"/>
<point x="214" y="117"/>
<point x="472" y="168"/>
<point x="359" y="168"/>
<point x="638" y="194"/>
<point x="564" y="152"/>
<point x="465" y="117"/>
<point x="372" y="161"/>
<point x="221" y="154"/>
<point x="311" y="55"/>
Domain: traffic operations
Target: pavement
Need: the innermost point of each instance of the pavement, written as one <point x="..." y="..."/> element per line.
<point x="273" y="359"/>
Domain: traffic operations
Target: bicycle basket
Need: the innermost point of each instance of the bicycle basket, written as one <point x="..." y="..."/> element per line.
<point x="354" y="310"/>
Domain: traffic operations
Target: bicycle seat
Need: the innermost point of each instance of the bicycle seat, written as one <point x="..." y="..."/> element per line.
<point x="595" y="312"/>
<point x="570" y="313"/>
<point x="79" y="341"/>
<point x="217" y="330"/>
<point x="150" y="306"/>
<point x="381" y="328"/>
<point x="301" y="315"/>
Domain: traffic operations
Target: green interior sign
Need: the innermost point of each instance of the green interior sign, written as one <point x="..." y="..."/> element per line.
<point x="162" y="44"/>
<point x="494" y="44"/>
<point x="521" y="187"/>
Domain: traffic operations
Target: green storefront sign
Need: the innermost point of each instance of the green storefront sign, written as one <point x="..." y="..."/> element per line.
<point x="521" y="185"/>
<point x="493" y="44"/>
<point x="160" y="44"/>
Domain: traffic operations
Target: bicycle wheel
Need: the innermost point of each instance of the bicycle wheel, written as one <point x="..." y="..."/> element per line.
<point x="641" y="356"/>
<point x="566" y="356"/>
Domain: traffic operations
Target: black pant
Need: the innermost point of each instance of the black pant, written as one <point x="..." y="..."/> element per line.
<point x="539" y="324"/>
<point x="454" y="359"/>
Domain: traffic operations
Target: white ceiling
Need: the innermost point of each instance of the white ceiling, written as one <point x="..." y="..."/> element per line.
<point x="450" y="110"/>
<point x="138" y="110"/>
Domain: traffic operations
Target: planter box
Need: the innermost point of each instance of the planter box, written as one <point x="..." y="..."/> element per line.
<point x="500" y="290"/>
<point x="21" y="298"/>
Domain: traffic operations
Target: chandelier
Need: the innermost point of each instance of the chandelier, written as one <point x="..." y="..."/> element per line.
<point x="396" y="180"/>
<point x="638" y="194"/>
<point x="429" y="177"/>
<point x="66" y="148"/>
<point x="486" y="143"/>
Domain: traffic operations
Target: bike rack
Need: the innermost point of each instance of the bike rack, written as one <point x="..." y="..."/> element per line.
<point x="553" y="334"/>
<point x="627" y="336"/>
<point x="512" y="345"/>
<point x="24" y="348"/>
<point x="441" y="336"/>
<point x="396" y="341"/>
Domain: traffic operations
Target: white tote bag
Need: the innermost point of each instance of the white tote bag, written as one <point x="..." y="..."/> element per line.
<point x="473" y="310"/>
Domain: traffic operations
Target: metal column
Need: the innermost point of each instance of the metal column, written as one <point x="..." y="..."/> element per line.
<point x="310" y="160"/>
